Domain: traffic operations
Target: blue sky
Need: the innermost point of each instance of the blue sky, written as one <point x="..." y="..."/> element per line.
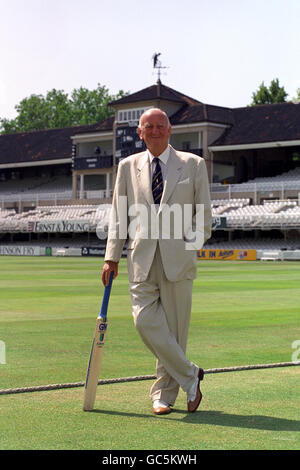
<point x="217" y="51"/>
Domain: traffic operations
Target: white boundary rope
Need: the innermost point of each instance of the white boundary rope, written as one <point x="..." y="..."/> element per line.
<point x="42" y="388"/>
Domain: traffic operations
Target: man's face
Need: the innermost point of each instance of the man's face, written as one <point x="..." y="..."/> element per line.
<point x="155" y="131"/>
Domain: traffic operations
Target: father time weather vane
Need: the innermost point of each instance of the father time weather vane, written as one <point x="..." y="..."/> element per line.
<point x="157" y="64"/>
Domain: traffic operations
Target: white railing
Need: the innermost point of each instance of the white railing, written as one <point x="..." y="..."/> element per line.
<point x="36" y="198"/>
<point x="229" y="190"/>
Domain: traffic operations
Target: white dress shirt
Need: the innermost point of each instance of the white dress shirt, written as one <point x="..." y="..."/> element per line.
<point x="163" y="160"/>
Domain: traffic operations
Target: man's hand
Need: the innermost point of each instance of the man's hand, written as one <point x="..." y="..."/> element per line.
<point x="108" y="267"/>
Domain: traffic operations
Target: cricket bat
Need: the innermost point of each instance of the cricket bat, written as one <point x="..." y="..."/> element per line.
<point x="95" y="360"/>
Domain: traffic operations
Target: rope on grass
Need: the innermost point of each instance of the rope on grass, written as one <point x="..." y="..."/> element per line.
<point x="42" y="388"/>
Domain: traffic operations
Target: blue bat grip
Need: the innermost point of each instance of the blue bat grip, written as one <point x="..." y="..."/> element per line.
<point x="103" y="311"/>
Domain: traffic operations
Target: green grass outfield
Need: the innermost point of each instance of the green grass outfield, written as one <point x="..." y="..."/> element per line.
<point x="243" y="313"/>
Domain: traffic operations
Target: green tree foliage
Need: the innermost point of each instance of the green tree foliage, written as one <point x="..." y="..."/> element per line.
<point x="269" y="95"/>
<point x="57" y="109"/>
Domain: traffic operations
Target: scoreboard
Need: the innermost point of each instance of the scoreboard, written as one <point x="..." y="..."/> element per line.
<point x="92" y="162"/>
<point x="128" y="142"/>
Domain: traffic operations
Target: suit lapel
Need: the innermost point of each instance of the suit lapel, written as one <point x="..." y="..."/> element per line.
<point x="174" y="171"/>
<point x="143" y="176"/>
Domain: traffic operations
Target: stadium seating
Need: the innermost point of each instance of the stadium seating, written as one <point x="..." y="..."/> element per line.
<point x="11" y="221"/>
<point x="36" y="185"/>
<point x="271" y="214"/>
<point x="240" y="212"/>
<point x="285" y="181"/>
<point x="291" y="175"/>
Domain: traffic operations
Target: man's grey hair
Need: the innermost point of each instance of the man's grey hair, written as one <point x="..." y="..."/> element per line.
<point x="153" y="109"/>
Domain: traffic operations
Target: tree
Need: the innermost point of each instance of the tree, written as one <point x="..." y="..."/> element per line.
<point x="89" y="107"/>
<point x="274" y="94"/>
<point x="57" y="110"/>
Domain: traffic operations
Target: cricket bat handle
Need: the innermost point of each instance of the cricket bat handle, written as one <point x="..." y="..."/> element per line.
<point x="106" y="295"/>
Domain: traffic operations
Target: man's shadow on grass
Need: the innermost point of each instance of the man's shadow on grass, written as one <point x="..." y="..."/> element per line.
<point x="267" y="423"/>
<point x="218" y="418"/>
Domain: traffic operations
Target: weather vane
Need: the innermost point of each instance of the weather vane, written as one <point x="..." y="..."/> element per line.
<point x="157" y="64"/>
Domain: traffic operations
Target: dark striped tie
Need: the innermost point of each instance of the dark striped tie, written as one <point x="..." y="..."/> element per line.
<point x="157" y="182"/>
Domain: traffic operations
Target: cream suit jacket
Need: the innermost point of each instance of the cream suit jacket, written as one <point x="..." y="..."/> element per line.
<point x="186" y="184"/>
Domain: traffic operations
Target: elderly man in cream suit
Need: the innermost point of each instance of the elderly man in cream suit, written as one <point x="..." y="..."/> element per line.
<point x="161" y="206"/>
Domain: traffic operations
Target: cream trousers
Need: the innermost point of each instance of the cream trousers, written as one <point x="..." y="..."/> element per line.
<point x="161" y="311"/>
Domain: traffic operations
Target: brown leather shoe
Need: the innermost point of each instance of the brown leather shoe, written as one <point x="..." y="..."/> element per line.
<point x="158" y="409"/>
<point x="193" y="405"/>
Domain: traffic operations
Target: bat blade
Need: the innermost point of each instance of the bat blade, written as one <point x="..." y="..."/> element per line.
<point x="94" y="365"/>
<point x="95" y="360"/>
